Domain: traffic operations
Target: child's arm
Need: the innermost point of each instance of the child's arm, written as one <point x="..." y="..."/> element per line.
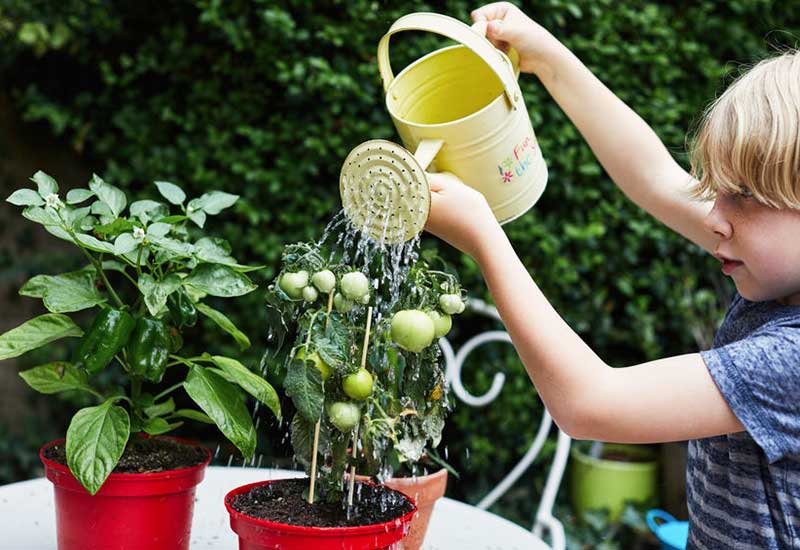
<point x="625" y="145"/>
<point x="666" y="400"/>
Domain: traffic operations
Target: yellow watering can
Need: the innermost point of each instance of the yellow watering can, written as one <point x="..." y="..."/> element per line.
<point x="461" y="110"/>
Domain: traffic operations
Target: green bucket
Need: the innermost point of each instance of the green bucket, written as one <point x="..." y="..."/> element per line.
<point x="608" y="482"/>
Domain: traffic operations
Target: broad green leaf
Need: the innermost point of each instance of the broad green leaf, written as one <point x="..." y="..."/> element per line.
<point x="113" y="197"/>
<point x="156" y="292"/>
<point x="56" y="377"/>
<point x="160" y="409"/>
<point x="222" y="402"/>
<point x="112" y="265"/>
<point x="96" y="438"/>
<point x="304" y="386"/>
<point x="249" y="382"/>
<point x="118" y="226"/>
<point x="35" y="333"/>
<point x="158" y="229"/>
<point x="94" y="244"/>
<point x="225" y="324"/>
<point x="174" y="247"/>
<point x="103" y="211"/>
<point x="43" y="215"/>
<point x="219" y="280"/>
<point x="217" y="251"/>
<point x="60" y="233"/>
<point x="74" y="216"/>
<point x="212" y="202"/>
<point x="65" y="293"/>
<point x="77" y="196"/>
<point x="45" y="183"/>
<point x="147" y="210"/>
<point x="171" y="192"/>
<point x="158" y="426"/>
<point x="192" y="414"/>
<point x="198" y="217"/>
<point x="25" y="197"/>
<point x="173" y="219"/>
<point x="302" y="435"/>
<point x="124" y="244"/>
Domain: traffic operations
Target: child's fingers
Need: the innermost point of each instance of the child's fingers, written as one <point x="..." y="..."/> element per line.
<point x="436" y="182"/>
<point x="495" y="10"/>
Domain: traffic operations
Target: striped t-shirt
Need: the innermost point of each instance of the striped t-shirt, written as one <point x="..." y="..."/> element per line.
<point x="743" y="489"/>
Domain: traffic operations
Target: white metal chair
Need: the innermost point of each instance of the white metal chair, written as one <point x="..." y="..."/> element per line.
<point x="454" y="363"/>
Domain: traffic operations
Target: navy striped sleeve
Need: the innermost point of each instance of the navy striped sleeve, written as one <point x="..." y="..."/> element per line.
<point x="759" y="376"/>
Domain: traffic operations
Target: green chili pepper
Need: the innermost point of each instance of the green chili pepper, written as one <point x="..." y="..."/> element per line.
<point x="108" y="334"/>
<point x="182" y="309"/>
<point x="148" y="349"/>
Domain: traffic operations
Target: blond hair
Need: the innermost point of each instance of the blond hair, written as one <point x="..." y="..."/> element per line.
<point x="749" y="138"/>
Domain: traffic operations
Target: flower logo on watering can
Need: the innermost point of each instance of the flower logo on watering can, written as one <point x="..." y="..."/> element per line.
<point x="519" y="161"/>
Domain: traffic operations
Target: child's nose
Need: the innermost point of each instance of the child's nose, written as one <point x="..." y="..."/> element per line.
<point x="717" y="222"/>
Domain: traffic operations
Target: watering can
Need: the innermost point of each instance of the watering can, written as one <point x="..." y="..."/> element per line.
<point x="460" y="109"/>
<point x="672" y="533"/>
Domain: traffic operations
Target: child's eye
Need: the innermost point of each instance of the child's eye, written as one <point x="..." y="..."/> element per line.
<point x="745" y="193"/>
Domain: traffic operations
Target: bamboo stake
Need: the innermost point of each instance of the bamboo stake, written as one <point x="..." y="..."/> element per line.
<point x="355" y="433"/>
<point x="316" y="427"/>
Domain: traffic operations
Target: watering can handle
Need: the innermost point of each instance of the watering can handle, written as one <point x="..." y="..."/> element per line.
<point x="473" y="38"/>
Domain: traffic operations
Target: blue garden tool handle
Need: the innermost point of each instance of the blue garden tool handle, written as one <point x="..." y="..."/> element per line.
<point x="655" y="514"/>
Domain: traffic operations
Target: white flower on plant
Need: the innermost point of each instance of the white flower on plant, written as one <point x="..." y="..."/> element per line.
<point x="138" y="233"/>
<point x="53" y="201"/>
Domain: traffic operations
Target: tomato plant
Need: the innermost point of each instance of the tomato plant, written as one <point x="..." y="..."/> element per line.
<point x="397" y="401"/>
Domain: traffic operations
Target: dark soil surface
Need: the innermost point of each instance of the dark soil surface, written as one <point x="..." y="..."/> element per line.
<point x="283" y="502"/>
<point x="145" y="455"/>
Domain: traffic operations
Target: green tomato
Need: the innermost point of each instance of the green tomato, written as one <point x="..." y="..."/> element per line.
<point x="355" y="286"/>
<point x="412" y="329"/>
<point x="358" y="386"/>
<point x="451" y="303"/>
<point x="344" y="415"/>
<point x="442" y="322"/>
<point x="324" y="280"/>
<point x="324" y="368"/>
<point x="310" y="294"/>
<point x="342" y="304"/>
<point x="294" y="283"/>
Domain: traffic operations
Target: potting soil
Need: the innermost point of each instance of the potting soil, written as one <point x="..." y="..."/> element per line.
<point x="145" y="455"/>
<point x="283" y="501"/>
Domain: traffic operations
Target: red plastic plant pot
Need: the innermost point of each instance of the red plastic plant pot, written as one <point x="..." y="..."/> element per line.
<point x="129" y="512"/>
<point x="260" y="534"/>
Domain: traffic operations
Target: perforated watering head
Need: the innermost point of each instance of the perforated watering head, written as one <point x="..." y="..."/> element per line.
<point x="385" y="191"/>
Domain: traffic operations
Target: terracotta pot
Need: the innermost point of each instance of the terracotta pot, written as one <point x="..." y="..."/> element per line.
<point x="425" y="491"/>
<point x="129" y="512"/>
<point x="261" y="534"/>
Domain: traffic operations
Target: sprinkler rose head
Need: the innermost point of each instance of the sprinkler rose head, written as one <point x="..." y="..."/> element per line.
<point x="385" y="191"/>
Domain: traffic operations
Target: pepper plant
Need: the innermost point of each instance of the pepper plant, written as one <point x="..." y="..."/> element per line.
<point x="162" y="273"/>
<point x="398" y="400"/>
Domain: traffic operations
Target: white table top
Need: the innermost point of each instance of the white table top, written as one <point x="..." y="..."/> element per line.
<point x="27" y="517"/>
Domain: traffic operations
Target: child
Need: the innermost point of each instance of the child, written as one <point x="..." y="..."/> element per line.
<point x="738" y="403"/>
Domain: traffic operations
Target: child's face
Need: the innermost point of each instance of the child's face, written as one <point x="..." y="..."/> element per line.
<point x="759" y="247"/>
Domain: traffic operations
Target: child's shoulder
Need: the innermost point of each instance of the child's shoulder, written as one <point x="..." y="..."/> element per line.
<point x="745" y="318"/>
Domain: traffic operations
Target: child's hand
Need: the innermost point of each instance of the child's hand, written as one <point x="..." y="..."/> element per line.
<point x="509" y="26"/>
<point x="459" y="214"/>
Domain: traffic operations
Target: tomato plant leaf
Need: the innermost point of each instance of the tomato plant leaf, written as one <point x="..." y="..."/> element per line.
<point x="304" y="386"/>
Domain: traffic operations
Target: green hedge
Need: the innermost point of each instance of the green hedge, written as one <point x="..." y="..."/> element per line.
<point x="265" y="99"/>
